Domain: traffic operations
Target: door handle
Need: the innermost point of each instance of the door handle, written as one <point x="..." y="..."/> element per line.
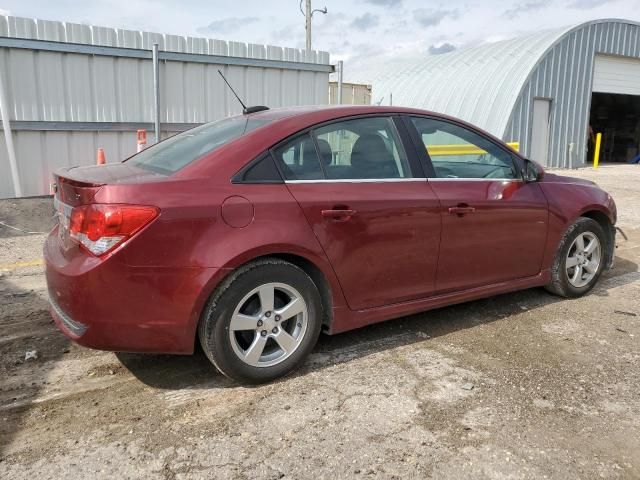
<point x="461" y="210"/>
<point x="338" y="214"/>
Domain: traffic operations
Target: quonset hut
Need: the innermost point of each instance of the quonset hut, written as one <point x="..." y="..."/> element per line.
<point x="548" y="90"/>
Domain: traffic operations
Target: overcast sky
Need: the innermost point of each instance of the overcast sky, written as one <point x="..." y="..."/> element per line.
<point x="352" y="30"/>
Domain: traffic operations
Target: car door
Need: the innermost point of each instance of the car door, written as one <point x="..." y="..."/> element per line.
<point x="371" y="209"/>
<point x="494" y="225"/>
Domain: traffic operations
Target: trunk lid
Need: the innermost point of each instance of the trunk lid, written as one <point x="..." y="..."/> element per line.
<point x="76" y="186"/>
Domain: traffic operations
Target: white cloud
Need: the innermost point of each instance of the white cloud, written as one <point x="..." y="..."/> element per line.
<point x="365" y="22"/>
<point x="588" y="3"/>
<point x="429" y="18"/>
<point x="445" y="47"/>
<point x="522" y="8"/>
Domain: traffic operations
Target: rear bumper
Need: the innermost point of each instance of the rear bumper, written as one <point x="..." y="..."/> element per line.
<point x="108" y="305"/>
<point x="64" y="322"/>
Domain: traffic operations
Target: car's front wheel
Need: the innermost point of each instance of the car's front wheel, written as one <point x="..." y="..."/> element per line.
<point x="262" y="321"/>
<point x="579" y="260"/>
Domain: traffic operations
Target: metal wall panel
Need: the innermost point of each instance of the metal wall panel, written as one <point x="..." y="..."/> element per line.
<point x="616" y="75"/>
<point x="565" y="75"/>
<point x="352" y="94"/>
<point x="43" y="84"/>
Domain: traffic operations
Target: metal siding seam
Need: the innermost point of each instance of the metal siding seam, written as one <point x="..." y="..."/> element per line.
<point x="555" y="72"/>
<point x="570" y="110"/>
<point x="544" y="66"/>
<point x="559" y="153"/>
<point x="524" y="141"/>
<point x="519" y="119"/>
<point x="590" y="59"/>
<point x="581" y="120"/>
<point x="599" y="29"/>
<point x="566" y="79"/>
<point x="610" y="34"/>
<point x="66" y="95"/>
<point x="581" y="130"/>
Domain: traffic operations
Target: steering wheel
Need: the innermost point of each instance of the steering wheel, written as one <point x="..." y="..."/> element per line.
<point x="444" y="172"/>
<point x="494" y="173"/>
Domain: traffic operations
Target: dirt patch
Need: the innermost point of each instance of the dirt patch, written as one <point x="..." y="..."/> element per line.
<point x="26" y="216"/>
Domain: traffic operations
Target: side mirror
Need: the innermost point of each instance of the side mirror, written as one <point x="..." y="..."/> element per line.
<point x="533" y="172"/>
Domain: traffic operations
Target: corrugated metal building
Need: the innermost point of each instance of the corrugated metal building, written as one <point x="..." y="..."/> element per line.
<point x="72" y="88"/>
<point x="352" y="93"/>
<point x="536" y="89"/>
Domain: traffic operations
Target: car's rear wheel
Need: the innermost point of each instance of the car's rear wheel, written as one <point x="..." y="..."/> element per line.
<point x="262" y="321"/>
<point x="579" y="260"/>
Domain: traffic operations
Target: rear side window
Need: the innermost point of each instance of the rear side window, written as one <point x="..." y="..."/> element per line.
<point x="174" y="153"/>
<point x="298" y="159"/>
<point x="364" y="148"/>
<point x="261" y="170"/>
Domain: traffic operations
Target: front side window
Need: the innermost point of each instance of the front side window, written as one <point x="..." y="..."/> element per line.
<point x="174" y="153"/>
<point x="457" y="152"/>
<point x="364" y="148"/>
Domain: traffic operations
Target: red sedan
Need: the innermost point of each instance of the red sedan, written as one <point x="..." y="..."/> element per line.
<point x="255" y="233"/>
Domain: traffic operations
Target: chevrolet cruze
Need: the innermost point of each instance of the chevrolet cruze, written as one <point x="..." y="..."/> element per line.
<point x="253" y="234"/>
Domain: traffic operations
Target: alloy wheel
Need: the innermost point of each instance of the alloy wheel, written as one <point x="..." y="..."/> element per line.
<point x="268" y="324"/>
<point x="583" y="259"/>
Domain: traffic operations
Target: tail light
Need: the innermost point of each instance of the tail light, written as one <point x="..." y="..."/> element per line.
<point x="101" y="227"/>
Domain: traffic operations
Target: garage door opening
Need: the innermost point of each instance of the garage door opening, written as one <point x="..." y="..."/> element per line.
<point x="617" y="117"/>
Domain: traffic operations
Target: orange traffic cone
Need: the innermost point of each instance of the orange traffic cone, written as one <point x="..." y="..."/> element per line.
<point x="101" y="160"/>
<point x="142" y="140"/>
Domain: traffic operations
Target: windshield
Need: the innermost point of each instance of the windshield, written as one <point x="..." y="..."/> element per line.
<point x="176" y="152"/>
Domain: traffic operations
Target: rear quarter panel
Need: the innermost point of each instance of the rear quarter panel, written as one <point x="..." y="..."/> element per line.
<point x="191" y="231"/>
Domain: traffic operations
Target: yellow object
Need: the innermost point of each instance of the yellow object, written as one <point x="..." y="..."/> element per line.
<point x="13" y="266"/>
<point x="596" y="151"/>
<point x="451" y="150"/>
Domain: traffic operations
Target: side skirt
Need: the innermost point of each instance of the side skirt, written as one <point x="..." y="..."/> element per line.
<point x="345" y="319"/>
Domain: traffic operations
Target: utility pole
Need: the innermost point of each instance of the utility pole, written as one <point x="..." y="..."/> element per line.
<point x="307" y="27"/>
<point x="308" y="14"/>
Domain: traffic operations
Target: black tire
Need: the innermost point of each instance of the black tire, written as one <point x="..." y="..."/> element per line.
<point x="214" y="326"/>
<point x="560" y="284"/>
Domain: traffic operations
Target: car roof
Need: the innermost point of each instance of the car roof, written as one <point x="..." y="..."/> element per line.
<point x="331" y="111"/>
<point x="307" y="116"/>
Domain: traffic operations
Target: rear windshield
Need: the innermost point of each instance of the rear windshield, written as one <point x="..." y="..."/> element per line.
<point x="174" y="153"/>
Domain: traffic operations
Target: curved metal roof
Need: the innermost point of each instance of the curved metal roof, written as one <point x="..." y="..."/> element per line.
<point x="480" y="84"/>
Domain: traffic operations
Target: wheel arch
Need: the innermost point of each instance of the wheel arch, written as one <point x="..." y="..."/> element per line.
<point x="319" y="271"/>
<point x="603" y="219"/>
<point x="318" y="277"/>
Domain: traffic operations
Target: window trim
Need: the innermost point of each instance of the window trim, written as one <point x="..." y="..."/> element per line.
<point x="404" y="139"/>
<point x="428" y="165"/>
<point x="360" y="180"/>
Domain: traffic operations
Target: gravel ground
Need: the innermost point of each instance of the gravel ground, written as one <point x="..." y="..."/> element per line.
<point x="523" y="385"/>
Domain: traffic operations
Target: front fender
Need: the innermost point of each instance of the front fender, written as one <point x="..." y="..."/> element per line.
<point x="569" y="201"/>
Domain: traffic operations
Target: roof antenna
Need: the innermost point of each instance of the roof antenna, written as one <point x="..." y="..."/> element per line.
<point x="245" y="109"/>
